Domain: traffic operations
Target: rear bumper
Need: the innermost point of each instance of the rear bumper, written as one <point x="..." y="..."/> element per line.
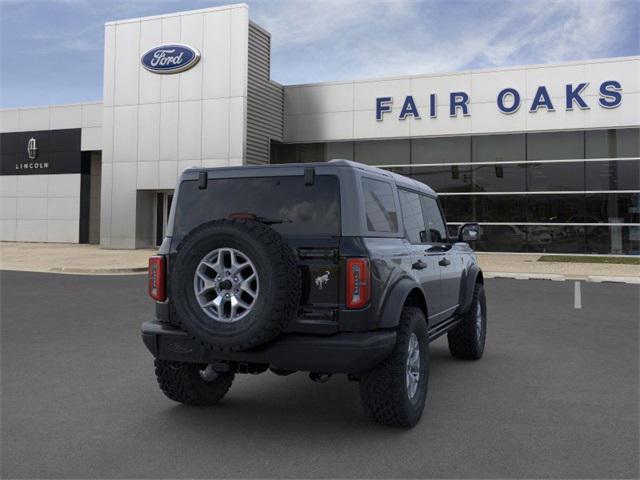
<point x="339" y="353"/>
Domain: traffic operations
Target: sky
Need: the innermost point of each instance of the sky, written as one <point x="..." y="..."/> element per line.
<point x="51" y="51"/>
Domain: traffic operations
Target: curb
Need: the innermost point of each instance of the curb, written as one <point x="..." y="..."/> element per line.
<point x="562" y="278"/>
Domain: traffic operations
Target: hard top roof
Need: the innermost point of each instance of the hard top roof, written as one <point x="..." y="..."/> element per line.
<point x="400" y="180"/>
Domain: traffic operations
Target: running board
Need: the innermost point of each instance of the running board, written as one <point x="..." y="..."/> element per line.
<point x="443" y="327"/>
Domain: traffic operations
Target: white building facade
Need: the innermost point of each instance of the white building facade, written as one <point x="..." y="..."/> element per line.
<point x="545" y="157"/>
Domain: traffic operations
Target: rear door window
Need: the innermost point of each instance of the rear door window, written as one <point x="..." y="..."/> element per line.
<point x="412" y="217"/>
<point x="293" y="207"/>
<point x="433" y="220"/>
<point x="380" y="206"/>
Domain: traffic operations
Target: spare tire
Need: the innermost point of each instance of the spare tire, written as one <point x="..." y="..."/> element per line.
<point x="235" y="284"/>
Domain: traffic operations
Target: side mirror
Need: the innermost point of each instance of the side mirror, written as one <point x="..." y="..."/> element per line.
<point x="469" y="232"/>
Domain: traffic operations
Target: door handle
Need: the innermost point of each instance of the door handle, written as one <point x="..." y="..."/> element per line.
<point x="444" y="262"/>
<point x="419" y="265"/>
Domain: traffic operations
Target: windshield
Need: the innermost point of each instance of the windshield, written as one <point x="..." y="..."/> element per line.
<point x="285" y="203"/>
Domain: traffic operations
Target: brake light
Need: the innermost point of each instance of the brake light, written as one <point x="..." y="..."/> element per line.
<point x="157" y="289"/>
<point x="358" y="282"/>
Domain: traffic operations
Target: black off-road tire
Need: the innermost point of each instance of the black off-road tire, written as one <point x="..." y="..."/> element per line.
<point x="466" y="340"/>
<point x="279" y="291"/>
<point x="183" y="383"/>
<point x="383" y="390"/>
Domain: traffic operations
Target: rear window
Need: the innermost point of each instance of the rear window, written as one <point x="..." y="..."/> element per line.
<point x="302" y="209"/>
<point x="380" y="207"/>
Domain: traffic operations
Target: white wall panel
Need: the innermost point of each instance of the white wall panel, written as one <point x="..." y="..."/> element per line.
<point x="329" y="98"/>
<point x="34" y="119"/>
<point x="365" y="93"/>
<point x="217" y="61"/>
<point x="8" y="185"/>
<point x="554" y="78"/>
<point x="485" y="86"/>
<point x="149" y="132"/>
<point x="125" y="134"/>
<point x="237" y="126"/>
<point x="32" y="185"/>
<point x="170" y="84"/>
<point x="31" y="230"/>
<point x="123" y="199"/>
<point x="192" y="35"/>
<point x="107" y="135"/>
<point x="31" y="208"/>
<point x="63" y="208"/>
<point x="91" y="115"/>
<point x="65" y="116"/>
<point x="150" y="36"/>
<point x="91" y="138"/>
<point x="422" y="86"/>
<point x="8" y="230"/>
<point x="9" y="120"/>
<point x="215" y="128"/>
<point x="127" y="63"/>
<point x="8" y="208"/>
<point x="190" y="130"/>
<point x="626" y="72"/>
<point x="64" y="185"/>
<point x="169" y="131"/>
<point x="63" y="231"/>
<point x="109" y="68"/>
<point x="364" y="127"/>
<point x="147" y="175"/>
<point x="238" y="60"/>
<point x="167" y="174"/>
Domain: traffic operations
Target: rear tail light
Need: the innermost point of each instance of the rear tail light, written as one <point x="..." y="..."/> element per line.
<point x="358" y="282"/>
<point x="157" y="289"/>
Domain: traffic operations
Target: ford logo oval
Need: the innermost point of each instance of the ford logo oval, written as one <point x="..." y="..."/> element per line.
<point x="173" y="58"/>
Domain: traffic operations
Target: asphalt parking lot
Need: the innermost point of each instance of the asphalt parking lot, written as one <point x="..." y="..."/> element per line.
<point x="556" y="395"/>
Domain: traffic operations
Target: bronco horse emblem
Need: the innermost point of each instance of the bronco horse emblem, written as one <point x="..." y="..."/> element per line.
<point x="322" y="280"/>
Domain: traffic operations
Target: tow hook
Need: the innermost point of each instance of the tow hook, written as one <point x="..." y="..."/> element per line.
<point x="320" y="377"/>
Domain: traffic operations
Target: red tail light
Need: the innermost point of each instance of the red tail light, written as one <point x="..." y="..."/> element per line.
<point x="157" y="289"/>
<point x="358" y="282"/>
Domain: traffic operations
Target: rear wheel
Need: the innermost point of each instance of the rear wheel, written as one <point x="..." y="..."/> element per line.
<point x="466" y="340"/>
<point x="192" y="383"/>
<point x="395" y="391"/>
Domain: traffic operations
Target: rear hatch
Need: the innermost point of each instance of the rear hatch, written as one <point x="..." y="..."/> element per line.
<point x="305" y="211"/>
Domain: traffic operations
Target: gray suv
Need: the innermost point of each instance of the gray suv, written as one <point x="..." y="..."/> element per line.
<point x="328" y="268"/>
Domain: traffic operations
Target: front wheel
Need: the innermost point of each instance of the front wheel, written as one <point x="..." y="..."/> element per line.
<point x="466" y="340"/>
<point x="394" y="392"/>
<point x="192" y="383"/>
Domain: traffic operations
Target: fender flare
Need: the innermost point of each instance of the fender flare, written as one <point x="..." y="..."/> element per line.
<point x="473" y="275"/>
<point x="392" y="308"/>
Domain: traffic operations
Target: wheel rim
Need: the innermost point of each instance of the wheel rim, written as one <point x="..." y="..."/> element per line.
<point x="413" y="365"/>
<point x="478" y="319"/>
<point x="208" y="374"/>
<point x="226" y="285"/>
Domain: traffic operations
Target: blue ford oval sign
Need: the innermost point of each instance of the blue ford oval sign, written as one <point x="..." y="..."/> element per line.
<point x="171" y="58"/>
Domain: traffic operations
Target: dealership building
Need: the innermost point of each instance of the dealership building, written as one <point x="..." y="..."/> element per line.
<point x="545" y="157"/>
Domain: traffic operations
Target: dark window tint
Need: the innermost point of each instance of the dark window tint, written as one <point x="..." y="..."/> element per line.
<point x="433" y="220"/>
<point x="613" y="175"/>
<point x="555" y="208"/>
<point x="412" y="215"/>
<point x="612" y="143"/>
<point x="380" y="208"/>
<point x="502" y="238"/>
<point x="556" y="239"/>
<point x="500" y="208"/>
<point x="555" y="145"/>
<point x="303" y="210"/>
<point x="613" y="208"/>
<point x="543" y="177"/>
<point x="499" y="148"/>
<point x="383" y="152"/>
<point x="441" y="150"/>
<point x="499" y="178"/>
<point x="615" y="240"/>
<point x="445" y="178"/>
<point x="458" y="208"/>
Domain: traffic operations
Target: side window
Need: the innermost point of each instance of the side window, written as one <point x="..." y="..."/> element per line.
<point x="412" y="215"/>
<point x="380" y="208"/>
<point x="433" y="220"/>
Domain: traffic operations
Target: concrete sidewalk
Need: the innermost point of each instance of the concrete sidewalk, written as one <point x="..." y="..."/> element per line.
<point x="91" y="259"/>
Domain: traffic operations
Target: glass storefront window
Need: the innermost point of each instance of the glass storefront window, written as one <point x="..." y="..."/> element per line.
<point x="383" y="152"/>
<point x="556" y="239"/>
<point x="458" y="208"/>
<point x="549" y="177"/>
<point x="612" y="143"/>
<point x="567" y="208"/>
<point x="501" y="208"/>
<point x="339" y="150"/>
<point x="499" y="148"/>
<point x="613" y="175"/>
<point x="445" y="178"/>
<point x="499" y="178"/>
<point x="613" y="240"/>
<point x="440" y="150"/>
<point x="613" y="207"/>
<point x="555" y="145"/>
<point x="502" y="238"/>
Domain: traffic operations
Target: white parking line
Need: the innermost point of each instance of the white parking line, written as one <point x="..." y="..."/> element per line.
<point x="577" y="296"/>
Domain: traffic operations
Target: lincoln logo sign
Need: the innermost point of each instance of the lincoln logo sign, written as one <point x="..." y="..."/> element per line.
<point x="508" y="101"/>
<point x="172" y="58"/>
